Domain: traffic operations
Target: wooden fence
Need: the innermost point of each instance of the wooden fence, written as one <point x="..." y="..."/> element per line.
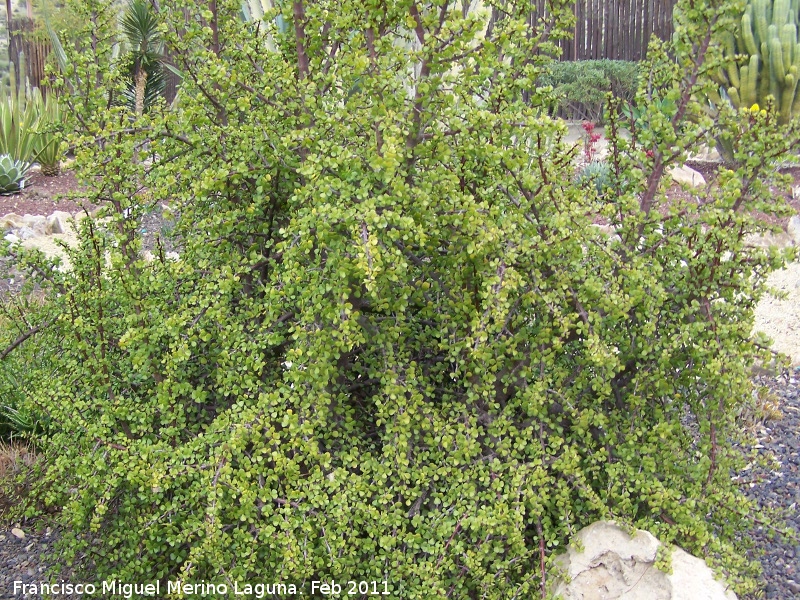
<point x="615" y="29"/>
<point x="20" y="41"/>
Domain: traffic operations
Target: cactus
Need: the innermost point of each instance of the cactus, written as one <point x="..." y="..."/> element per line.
<point x="767" y="37"/>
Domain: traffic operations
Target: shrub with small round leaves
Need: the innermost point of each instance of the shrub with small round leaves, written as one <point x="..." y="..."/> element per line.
<point x="393" y="347"/>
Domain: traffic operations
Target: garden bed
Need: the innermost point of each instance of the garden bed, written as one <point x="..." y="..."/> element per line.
<point x="43" y="195"/>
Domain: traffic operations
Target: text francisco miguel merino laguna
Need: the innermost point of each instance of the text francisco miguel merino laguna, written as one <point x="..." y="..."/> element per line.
<point x="108" y="589"/>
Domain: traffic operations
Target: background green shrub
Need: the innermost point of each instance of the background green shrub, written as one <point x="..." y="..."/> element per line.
<point x="581" y="86"/>
<point x="394" y="347"/>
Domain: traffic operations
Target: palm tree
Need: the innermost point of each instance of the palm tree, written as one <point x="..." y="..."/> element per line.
<point x="140" y="27"/>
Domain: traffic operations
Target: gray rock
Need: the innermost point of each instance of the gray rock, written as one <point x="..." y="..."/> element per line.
<point x="18" y="533"/>
<point x="10" y="237"/>
<point x="613" y="565"/>
<point x="57" y="222"/>
<point x="37" y="223"/>
<point x="25" y="233"/>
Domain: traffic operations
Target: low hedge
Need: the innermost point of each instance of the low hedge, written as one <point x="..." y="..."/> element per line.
<point x="581" y="86"/>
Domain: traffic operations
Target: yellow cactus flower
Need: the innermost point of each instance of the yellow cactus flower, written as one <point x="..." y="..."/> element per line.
<point x="755" y="108"/>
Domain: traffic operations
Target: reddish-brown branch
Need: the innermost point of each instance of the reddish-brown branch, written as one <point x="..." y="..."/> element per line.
<point x="299" y="13"/>
<point x="648" y="198"/>
<point x="450" y="541"/>
<point x="419" y="29"/>
<point x="543" y="583"/>
<point x="215" y="28"/>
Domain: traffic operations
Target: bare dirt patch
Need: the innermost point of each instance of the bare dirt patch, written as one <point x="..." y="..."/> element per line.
<point x="43" y="195"/>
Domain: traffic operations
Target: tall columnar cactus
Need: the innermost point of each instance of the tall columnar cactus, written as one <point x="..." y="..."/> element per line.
<point x="768" y="34"/>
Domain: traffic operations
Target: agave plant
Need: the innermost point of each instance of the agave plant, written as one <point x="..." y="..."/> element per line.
<point x="12" y="174"/>
<point x="15" y="419"/>
<point x="48" y="144"/>
<point x="20" y="111"/>
<point x="597" y="174"/>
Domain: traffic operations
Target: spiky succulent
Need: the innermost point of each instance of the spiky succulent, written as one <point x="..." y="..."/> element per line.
<point x="12" y="174"/>
<point x="596" y="173"/>
<point x="49" y="140"/>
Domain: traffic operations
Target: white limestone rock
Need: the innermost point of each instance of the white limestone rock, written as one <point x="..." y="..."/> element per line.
<point x="686" y="175"/>
<point x="768" y="239"/>
<point x="36" y="223"/>
<point x="612" y="565"/>
<point x="793" y="229"/>
<point x="11" y="221"/>
<point x="57" y="222"/>
<point x="708" y="154"/>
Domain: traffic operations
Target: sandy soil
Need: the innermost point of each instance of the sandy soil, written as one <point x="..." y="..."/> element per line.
<point x="780" y="318"/>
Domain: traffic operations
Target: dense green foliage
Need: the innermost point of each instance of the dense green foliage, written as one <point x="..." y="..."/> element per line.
<point x="582" y="86"/>
<point x="394" y="347"/>
<point x="15" y="416"/>
<point x="767" y="38"/>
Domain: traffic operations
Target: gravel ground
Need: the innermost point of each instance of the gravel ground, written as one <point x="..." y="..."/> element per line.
<point x="42" y="195"/>
<point x="20" y="560"/>
<point x="779" y="318"/>
<point x="154" y="227"/>
<point x="780" y="489"/>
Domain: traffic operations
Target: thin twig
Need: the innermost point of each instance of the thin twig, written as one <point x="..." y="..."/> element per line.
<point x="23" y="337"/>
